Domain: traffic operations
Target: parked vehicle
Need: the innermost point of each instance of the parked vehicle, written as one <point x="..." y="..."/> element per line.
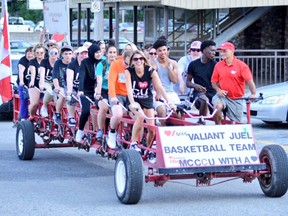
<point x="19" y="46"/>
<point x="128" y="27"/>
<point x="274" y="107"/>
<point x="122" y="42"/>
<point x="106" y="25"/>
<point x="16" y="24"/>
<point x="83" y="25"/>
<point x="6" y="109"/>
<point x="39" y="26"/>
<point x="30" y="23"/>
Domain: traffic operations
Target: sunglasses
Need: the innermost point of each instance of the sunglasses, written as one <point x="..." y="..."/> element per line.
<point x="53" y="53"/>
<point x="39" y="53"/>
<point x="50" y="45"/>
<point x="137" y="59"/>
<point x="152" y="53"/>
<point x="195" y="50"/>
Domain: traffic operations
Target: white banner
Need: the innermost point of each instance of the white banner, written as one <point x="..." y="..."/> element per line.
<point x="56" y="17"/>
<point x="214" y="145"/>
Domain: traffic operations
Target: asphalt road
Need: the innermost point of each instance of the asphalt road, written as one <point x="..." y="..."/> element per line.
<point x="73" y="182"/>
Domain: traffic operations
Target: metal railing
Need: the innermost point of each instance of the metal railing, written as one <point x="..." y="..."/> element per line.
<point x="267" y="66"/>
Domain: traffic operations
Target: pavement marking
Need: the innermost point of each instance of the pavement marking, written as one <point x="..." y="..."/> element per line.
<point x="266" y="142"/>
<point x="285" y="147"/>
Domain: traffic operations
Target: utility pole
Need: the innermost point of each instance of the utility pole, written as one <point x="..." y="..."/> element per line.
<point x="98" y="8"/>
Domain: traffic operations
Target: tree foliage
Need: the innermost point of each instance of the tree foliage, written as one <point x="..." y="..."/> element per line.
<point x="19" y="8"/>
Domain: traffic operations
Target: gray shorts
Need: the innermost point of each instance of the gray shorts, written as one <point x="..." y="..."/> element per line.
<point x="73" y="101"/>
<point x="122" y="99"/>
<point x="234" y="107"/>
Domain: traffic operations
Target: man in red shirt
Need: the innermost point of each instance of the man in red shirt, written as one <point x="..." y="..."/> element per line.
<point x="228" y="79"/>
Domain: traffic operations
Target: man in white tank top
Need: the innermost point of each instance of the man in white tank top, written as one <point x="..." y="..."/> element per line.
<point x="168" y="73"/>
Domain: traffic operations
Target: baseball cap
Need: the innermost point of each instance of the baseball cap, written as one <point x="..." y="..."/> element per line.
<point x="82" y="49"/>
<point x="87" y="44"/>
<point x="227" y="45"/>
<point x="66" y="48"/>
<point x="195" y="45"/>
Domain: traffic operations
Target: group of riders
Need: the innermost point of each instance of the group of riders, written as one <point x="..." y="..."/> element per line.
<point x="143" y="81"/>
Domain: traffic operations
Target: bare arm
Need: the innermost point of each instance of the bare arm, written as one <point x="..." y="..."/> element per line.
<point x="32" y="70"/>
<point x="42" y="77"/>
<point x="173" y="72"/>
<point x="69" y="80"/>
<point x="129" y="87"/>
<point x="21" y="70"/>
<point x="98" y="87"/>
<point x="252" y="88"/>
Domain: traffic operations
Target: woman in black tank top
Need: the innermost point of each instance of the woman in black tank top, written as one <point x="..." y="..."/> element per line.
<point x="139" y="80"/>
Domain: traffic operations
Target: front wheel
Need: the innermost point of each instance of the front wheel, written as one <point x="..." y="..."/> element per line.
<point x="128" y="177"/>
<point x="25" y="140"/>
<point x="274" y="183"/>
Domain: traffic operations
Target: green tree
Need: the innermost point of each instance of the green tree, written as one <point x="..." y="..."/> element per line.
<point x="19" y="8"/>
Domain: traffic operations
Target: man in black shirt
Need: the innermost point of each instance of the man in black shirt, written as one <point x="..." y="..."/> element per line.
<point x="59" y="79"/>
<point x="201" y="71"/>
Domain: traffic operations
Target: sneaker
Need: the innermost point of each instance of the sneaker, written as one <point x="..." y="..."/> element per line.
<point x="135" y="147"/>
<point x="111" y="142"/>
<point x="57" y="118"/>
<point x="44" y="112"/>
<point x="79" y="135"/>
<point x="152" y="157"/>
<point x="71" y="122"/>
<point x="99" y="135"/>
<point x="200" y="121"/>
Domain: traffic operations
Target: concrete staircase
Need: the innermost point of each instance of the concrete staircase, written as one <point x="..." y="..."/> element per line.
<point x="241" y="24"/>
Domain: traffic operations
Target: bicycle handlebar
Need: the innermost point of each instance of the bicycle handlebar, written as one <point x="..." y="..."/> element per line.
<point x="154" y="118"/>
<point x="248" y="99"/>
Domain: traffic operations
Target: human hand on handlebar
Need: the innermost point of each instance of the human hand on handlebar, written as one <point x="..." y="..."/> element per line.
<point x="253" y="96"/>
<point x="200" y="88"/>
<point x="114" y="100"/>
<point x="80" y="93"/>
<point x="134" y="105"/>
<point x="222" y="93"/>
<point x="172" y="106"/>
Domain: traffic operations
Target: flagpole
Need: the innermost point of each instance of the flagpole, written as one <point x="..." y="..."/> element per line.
<point x="5" y="61"/>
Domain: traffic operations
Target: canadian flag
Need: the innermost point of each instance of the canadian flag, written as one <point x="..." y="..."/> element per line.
<point x="5" y="62"/>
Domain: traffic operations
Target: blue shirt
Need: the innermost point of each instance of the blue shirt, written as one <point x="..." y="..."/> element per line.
<point x="100" y="72"/>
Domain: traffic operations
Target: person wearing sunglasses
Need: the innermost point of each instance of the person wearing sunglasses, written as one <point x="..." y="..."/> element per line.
<point x="72" y="80"/>
<point x="183" y="63"/>
<point x="146" y="49"/>
<point x="117" y="93"/>
<point x="23" y="81"/>
<point x="59" y="79"/>
<point x="87" y="83"/>
<point x="46" y="82"/>
<point x="49" y="43"/>
<point x="152" y="55"/>
<point x="34" y="93"/>
<point x="200" y="71"/>
<point x="139" y="80"/>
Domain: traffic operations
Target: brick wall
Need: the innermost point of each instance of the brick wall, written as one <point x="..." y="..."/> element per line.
<point x="270" y="32"/>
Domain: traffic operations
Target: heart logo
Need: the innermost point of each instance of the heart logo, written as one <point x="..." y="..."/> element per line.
<point x="143" y="85"/>
<point x="254" y="158"/>
<point x="167" y="132"/>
